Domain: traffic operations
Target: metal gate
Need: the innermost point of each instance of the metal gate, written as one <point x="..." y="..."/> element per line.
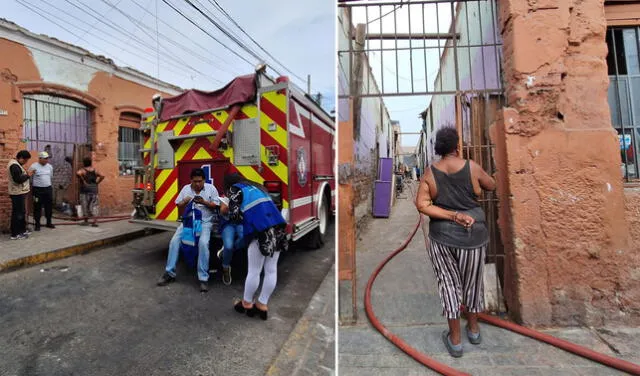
<point x="61" y="127"/>
<point x="448" y="52"/>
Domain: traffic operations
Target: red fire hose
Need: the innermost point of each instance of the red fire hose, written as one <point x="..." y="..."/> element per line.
<point x="443" y="369"/>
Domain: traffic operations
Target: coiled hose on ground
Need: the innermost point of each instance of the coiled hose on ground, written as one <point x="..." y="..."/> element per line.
<point x="444" y="369"/>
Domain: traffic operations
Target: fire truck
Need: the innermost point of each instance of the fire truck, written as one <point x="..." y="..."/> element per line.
<point x="266" y="129"/>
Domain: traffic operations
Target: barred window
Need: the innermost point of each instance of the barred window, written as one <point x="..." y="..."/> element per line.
<point x="129" y="143"/>
<point x="623" y="65"/>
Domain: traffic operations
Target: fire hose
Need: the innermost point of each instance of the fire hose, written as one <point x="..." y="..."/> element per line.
<point x="444" y="369"/>
<point x="98" y="219"/>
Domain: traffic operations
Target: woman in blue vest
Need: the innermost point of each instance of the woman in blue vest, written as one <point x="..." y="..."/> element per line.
<point x="265" y="232"/>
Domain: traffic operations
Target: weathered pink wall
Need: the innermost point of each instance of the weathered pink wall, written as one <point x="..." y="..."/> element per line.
<point x="571" y="257"/>
<point x="107" y="95"/>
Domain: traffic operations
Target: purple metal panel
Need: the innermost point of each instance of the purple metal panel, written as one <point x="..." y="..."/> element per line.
<point x="382" y="199"/>
<point x="385" y="169"/>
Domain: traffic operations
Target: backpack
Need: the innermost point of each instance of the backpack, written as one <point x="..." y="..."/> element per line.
<point x="191" y="229"/>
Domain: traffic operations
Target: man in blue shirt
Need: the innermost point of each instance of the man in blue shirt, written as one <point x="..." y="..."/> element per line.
<point x="205" y="198"/>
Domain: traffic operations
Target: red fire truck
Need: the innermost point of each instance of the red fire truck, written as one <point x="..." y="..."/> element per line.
<point x="265" y="129"/>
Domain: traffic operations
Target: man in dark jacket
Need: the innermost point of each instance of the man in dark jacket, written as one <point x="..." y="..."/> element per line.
<point x="18" y="189"/>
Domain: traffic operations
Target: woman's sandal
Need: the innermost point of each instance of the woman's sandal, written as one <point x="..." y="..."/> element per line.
<point x="239" y="307"/>
<point x="454" y="350"/>
<point x="474" y="338"/>
<point x="263" y="314"/>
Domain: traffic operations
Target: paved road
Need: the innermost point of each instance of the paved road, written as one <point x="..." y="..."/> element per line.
<point x="101" y="314"/>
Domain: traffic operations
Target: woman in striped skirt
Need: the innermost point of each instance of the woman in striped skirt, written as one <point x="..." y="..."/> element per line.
<point x="458" y="235"/>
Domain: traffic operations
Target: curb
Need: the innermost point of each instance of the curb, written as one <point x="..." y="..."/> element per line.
<point x="303" y="342"/>
<point x="72" y="250"/>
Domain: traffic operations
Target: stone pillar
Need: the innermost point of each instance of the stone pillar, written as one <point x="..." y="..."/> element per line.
<point x="561" y="190"/>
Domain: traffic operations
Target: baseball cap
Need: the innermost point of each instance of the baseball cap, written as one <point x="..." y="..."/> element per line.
<point x="43" y="154"/>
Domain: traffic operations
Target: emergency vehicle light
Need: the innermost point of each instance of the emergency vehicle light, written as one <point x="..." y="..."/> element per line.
<point x="272" y="186"/>
<point x="148" y="186"/>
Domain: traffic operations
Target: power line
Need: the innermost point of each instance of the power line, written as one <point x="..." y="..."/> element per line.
<point x="216" y="4"/>
<point x="95" y="23"/>
<point x="88" y="32"/>
<point x="206" y="32"/>
<point x="135" y="22"/>
<point x="222" y="68"/>
<point x="116" y="27"/>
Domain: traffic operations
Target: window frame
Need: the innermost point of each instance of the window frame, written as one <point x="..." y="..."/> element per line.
<point x="125" y="124"/>
<point x="631" y="172"/>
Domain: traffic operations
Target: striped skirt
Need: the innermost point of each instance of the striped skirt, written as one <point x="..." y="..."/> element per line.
<point x="460" y="277"/>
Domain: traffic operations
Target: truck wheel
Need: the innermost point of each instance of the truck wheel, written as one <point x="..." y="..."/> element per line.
<point x="317" y="237"/>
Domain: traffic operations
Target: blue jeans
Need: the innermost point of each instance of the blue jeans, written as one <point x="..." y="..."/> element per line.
<point x="232" y="238"/>
<point x="203" y="252"/>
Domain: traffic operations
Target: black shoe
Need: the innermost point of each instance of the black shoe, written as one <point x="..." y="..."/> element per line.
<point x="50" y="225"/>
<point x="226" y="275"/>
<point x="204" y="286"/>
<point x="94" y="224"/>
<point x="263" y="314"/>
<point x="166" y="279"/>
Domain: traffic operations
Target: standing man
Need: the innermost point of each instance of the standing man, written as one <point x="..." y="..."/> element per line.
<point x="18" y="189"/>
<point x="42" y="190"/>
<point x="205" y="198"/>
<point x="89" y="180"/>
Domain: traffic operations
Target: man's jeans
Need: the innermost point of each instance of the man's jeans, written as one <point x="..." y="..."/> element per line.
<point x="232" y="238"/>
<point x="203" y="252"/>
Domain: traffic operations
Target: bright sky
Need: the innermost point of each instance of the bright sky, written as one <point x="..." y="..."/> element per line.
<point x="430" y="18"/>
<point x="298" y="33"/>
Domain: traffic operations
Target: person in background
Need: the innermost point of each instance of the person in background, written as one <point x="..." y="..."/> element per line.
<point x="458" y="235"/>
<point x="89" y="180"/>
<point x="232" y="239"/>
<point x="42" y="190"/>
<point x="264" y="230"/>
<point x="205" y="199"/>
<point x="18" y="190"/>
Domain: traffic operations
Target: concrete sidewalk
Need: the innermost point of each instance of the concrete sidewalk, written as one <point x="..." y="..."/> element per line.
<point x="405" y="299"/>
<point x="310" y="349"/>
<point x="63" y="241"/>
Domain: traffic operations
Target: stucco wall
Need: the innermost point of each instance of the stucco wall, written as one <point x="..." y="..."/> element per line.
<point x="52" y="70"/>
<point x="572" y="259"/>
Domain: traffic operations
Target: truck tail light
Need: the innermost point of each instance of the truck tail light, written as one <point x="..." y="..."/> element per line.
<point x="275" y="191"/>
<point x="149" y="186"/>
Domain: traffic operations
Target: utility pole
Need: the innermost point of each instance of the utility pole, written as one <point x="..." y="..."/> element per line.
<point x="309" y="84"/>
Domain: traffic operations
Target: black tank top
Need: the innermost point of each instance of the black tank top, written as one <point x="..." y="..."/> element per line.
<point x="455" y="193"/>
<point x="91" y="179"/>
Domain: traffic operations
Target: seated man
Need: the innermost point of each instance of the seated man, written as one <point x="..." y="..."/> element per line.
<point x="205" y="198"/>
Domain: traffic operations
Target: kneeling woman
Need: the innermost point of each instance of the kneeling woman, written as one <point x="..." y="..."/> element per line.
<point x="264" y="230"/>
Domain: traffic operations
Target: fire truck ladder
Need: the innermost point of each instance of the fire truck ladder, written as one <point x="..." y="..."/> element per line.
<point x="144" y="192"/>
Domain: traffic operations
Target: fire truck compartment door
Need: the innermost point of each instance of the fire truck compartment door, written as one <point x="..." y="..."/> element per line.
<point x="165" y="151"/>
<point x="246" y="142"/>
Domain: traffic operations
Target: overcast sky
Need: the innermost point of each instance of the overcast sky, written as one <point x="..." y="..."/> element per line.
<point x="298" y="33"/>
<point x="398" y="78"/>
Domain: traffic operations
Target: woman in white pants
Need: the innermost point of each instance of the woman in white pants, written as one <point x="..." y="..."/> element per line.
<point x="264" y="228"/>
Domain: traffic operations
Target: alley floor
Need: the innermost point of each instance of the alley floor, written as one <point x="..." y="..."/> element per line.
<point x="102" y="314"/>
<point x="405" y="299"/>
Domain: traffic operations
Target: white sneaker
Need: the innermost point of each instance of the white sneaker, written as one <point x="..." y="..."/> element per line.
<point x="19" y="237"/>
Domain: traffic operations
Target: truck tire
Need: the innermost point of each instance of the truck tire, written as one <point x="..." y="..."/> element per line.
<point x="318" y="235"/>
